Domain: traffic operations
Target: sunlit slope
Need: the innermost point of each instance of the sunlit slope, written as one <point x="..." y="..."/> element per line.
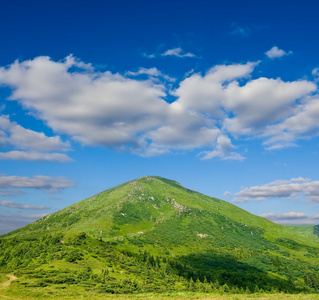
<point x="161" y="208"/>
<point x="151" y="205"/>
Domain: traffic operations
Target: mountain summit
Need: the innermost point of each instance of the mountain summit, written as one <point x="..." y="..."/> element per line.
<point x="167" y="235"/>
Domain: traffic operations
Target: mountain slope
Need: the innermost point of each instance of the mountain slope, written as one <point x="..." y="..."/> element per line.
<point x="161" y="227"/>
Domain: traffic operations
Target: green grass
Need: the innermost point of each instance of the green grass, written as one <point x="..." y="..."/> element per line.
<point x="68" y="293"/>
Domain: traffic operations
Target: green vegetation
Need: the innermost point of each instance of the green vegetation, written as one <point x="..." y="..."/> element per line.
<point x="152" y="235"/>
<point x="3" y="278"/>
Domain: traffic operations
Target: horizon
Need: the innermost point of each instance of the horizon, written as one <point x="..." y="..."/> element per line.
<point x="220" y="97"/>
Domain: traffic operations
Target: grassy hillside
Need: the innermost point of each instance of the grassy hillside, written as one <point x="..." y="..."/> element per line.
<point x="154" y="235"/>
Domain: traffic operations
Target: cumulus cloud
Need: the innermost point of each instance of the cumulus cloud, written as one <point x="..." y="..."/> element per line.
<point x="127" y="112"/>
<point x="183" y="130"/>
<point x="275" y="52"/>
<point x="94" y="108"/>
<point x="206" y="93"/>
<point x="178" y="52"/>
<point x="252" y="109"/>
<point x="22" y="138"/>
<point x="13" y="134"/>
<point x="12" y="204"/>
<point x="224" y="150"/>
<point x="281" y="189"/>
<point x="303" y="123"/>
<point x="46" y="183"/>
<point x="262" y="102"/>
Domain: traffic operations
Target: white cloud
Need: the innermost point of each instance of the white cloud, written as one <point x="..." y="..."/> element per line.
<point x="281" y="189"/>
<point x="12" y="204"/>
<point x="34" y="156"/>
<point x="178" y="52"/>
<point x="206" y="93"/>
<point x="94" y="108"/>
<point x="22" y="138"/>
<point x="275" y="52"/>
<point x="112" y="110"/>
<point x="46" y="183"/>
<point x="37" y="144"/>
<point x="223" y="150"/>
<point x="184" y="130"/>
<point x="302" y="123"/>
<point x="262" y="102"/>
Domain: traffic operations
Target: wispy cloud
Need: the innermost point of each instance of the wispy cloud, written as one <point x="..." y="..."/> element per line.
<point x="178" y="52"/>
<point x="281" y="189"/>
<point x="12" y="204"/>
<point x="275" y="52"/>
<point x="10" y="193"/>
<point x="35" y="156"/>
<point x="149" y="55"/>
<point x="292" y="218"/>
<point x="315" y="74"/>
<point x="240" y="30"/>
<point x="46" y="183"/>
<point x="284" y="216"/>
<point x="227" y="194"/>
<point x="151" y="72"/>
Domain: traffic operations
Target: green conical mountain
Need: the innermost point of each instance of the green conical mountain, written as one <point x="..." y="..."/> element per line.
<point x="152" y="234"/>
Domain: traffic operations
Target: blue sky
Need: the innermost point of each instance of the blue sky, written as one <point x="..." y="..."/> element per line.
<point x="221" y="97"/>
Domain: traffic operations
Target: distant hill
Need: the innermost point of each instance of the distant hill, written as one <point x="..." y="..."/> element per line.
<point x="154" y="235"/>
<point x="311" y="231"/>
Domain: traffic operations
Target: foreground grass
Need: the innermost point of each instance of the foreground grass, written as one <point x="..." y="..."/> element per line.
<point x="164" y="297"/>
<point x="64" y="292"/>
